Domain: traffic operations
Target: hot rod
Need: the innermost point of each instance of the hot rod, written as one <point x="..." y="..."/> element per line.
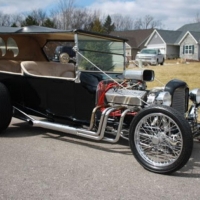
<point x="91" y="94"/>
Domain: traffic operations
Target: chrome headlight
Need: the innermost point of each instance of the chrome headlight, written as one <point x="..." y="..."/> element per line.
<point x="164" y="98"/>
<point x="195" y="95"/>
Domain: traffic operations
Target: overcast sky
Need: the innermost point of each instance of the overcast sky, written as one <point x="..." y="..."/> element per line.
<point x="172" y="13"/>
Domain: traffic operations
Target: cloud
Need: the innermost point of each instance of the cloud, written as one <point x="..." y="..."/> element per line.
<point x="172" y="13"/>
<point x="13" y="7"/>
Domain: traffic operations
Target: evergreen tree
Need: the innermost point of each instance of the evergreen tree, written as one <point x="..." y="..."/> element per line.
<point x="29" y="21"/>
<point x="98" y="52"/>
<point x="14" y="25"/>
<point x="97" y="26"/>
<point x="49" y="23"/>
<point x="108" y="26"/>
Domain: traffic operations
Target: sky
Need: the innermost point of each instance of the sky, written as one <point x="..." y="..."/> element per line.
<point x="172" y="13"/>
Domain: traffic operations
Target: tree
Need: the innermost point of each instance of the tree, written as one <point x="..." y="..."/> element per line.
<point x="4" y="19"/>
<point x="97" y="26"/>
<point x="17" y="20"/>
<point x="108" y="26"/>
<point x="147" y="22"/>
<point x="29" y="21"/>
<point x="39" y="16"/>
<point x="99" y="54"/>
<point x="122" y="22"/>
<point x="63" y="14"/>
<point x="98" y="51"/>
<point x="49" y="23"/>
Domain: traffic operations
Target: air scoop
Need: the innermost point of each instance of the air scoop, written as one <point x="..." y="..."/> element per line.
<point x="143" y="75"/>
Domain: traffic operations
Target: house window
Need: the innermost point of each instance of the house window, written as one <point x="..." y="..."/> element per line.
<point x="188" y="49"/>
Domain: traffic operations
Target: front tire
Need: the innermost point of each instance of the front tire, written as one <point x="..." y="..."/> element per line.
<point x="162" y="63"/>
<point x="161" y="139"/>
<point x="5" y="108"/>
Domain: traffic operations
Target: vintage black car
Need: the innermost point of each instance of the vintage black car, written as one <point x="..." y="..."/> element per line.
<point x="95" y="96"/>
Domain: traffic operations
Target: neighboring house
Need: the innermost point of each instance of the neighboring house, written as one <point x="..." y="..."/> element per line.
<point x="182" y="43"/>
<point x="136" y="40"/>
<point x="190" y="27"/>
<point x="190" y="41"/>
<point x="166" y="41"/>
<point x="190" y="46"/>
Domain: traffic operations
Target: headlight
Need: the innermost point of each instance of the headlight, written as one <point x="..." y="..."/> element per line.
<point x="164" y="98"/>
<point x="195" y="95"/>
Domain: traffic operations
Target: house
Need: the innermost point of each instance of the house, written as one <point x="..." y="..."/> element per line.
<point x="181" y="43"/>
<point x="136" y="40"/>
<point x="166" y="41"/>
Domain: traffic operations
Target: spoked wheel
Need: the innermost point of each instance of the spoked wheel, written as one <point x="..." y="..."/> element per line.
<point x="161" y="139"/>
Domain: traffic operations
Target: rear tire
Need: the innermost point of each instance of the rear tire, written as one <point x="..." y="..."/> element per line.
<point x="5" y="108"/>
<point x="161" y="139"/>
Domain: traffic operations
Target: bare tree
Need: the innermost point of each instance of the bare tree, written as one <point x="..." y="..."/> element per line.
<point x="39" y="15"/>
<point x="148" y="19"/>
<point x="147" y="22"/>
<point x="4" y="19"/>
<point x="83" y="18"/>
<point x="67" y="16"/>
<point x="138" y="24"/>
<point x="122" y="22"/>
<point x="17" y="20"/>
<point x="62" y="16"/>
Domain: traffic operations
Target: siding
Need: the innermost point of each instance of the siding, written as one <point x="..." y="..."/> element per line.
<point x="155" y="40"/>
<point x="189" y="41"/>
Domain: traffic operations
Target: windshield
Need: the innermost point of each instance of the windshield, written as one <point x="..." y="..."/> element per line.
<point x="148" y="51"/>
<point x="105" y="53"/>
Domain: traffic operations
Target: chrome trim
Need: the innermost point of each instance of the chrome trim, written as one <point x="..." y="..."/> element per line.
<point x="98" y="135"/>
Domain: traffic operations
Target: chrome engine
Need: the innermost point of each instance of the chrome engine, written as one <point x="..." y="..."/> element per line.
<point x="125" y="97"/>
<point x="132" y="94"/>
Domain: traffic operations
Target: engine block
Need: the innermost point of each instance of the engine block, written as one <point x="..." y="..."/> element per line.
<point x="125" y="97"/>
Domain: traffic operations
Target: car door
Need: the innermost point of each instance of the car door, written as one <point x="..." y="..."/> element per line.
<point x="50" y="96"/>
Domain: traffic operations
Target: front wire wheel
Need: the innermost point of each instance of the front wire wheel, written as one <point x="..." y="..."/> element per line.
<point x="161" y="139"/>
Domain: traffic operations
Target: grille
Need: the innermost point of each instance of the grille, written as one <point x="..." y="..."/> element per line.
<point x="179" y="101"/>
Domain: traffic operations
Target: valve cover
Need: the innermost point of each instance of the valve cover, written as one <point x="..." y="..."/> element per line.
<point x="125" y="97"/>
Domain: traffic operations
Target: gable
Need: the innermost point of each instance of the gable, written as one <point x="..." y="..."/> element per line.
<point x="189" y="38"/>
<point x="155" y="39"/>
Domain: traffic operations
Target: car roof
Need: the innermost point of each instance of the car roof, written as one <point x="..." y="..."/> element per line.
<point x="45" y="30"/>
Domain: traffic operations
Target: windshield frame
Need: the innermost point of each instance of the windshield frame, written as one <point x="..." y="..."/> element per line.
<point x="99" y="37"/>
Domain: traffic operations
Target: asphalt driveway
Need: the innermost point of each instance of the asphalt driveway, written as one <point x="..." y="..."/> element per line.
<point x="42" y="164"/>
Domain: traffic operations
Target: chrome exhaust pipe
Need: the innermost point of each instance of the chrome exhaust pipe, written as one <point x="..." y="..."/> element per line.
<point x="99" y="135"/>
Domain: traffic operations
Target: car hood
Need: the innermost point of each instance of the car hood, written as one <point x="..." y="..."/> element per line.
<point x="145" y="55"/>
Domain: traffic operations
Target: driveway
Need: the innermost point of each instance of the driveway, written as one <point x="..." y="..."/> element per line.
<point x="42" y="164"/>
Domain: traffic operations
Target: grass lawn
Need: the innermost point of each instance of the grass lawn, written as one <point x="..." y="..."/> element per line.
<point x="172" y="69"/>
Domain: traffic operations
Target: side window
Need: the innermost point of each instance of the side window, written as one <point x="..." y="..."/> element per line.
<point x="12" y="46"/>
<point x="53" y="50"/>
<point x="2" y="47"/>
